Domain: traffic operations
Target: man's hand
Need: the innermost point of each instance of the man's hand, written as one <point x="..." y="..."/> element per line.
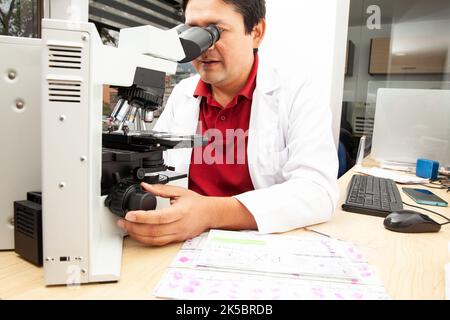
<point x="189" y="215"/>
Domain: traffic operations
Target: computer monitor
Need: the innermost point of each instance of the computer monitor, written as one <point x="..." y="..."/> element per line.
<point x="412" y="124"/>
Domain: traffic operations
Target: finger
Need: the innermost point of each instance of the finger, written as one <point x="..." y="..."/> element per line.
<point x="148" y="230"/>
<point x="157" y="241"/>
<point x="163" y="191"/>
<point x="163" y="216"/>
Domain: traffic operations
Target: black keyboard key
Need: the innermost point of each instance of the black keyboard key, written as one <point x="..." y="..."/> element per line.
<point x="376" y="186"/>
<point x="369" y="186"/>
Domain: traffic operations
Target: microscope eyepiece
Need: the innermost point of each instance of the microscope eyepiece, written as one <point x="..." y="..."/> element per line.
<point x="196" y="40"/>
<point x="214" y="31"/>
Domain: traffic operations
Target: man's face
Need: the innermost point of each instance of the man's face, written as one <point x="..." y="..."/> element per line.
<point x="223" y="63"/>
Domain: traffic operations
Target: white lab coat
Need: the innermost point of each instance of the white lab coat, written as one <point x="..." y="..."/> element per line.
<point x="291" y="152"/>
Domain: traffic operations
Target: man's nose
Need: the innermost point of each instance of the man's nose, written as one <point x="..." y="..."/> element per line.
<point x="212" y="47"/>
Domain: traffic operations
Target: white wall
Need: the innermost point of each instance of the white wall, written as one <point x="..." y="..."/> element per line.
<point x="310" y="37"/>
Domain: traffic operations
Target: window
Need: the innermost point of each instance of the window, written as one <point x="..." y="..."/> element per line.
<point x="21" y="18"/>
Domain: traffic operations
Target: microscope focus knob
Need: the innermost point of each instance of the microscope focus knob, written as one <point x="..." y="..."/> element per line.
<point x="127" y="197"/>
<point x="141" y="200"/>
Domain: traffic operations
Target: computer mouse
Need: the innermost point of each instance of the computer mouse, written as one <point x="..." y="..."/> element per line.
<point x="408" y="221"/>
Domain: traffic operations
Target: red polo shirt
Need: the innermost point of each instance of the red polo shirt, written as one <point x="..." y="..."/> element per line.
<point x="221" y="168"/>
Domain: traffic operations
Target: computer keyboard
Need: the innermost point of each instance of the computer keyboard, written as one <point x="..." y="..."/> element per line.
<point x="372" y="196"/>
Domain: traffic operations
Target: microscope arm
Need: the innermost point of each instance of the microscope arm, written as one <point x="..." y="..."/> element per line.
<point x="151" y="48"/>
<point x="117" y="66"/>
<point x="158" y="52"/>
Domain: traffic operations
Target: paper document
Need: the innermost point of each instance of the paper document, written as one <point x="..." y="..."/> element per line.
<point x="399" y="166"/>
<point x="389" y="174"/>
<point x="246" y="265"/>
<point x="293" y="256"/>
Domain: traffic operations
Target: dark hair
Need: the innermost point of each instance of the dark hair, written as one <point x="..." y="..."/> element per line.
<point x="253" y="11"/>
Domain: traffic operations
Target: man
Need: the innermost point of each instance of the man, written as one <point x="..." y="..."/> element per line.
<point x="271" y="164"/>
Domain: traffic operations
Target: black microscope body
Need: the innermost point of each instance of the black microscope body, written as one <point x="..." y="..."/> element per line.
<point x="130" y="158"/>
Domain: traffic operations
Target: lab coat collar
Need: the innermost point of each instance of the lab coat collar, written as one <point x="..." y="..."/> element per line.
<point x="267" y="80"/>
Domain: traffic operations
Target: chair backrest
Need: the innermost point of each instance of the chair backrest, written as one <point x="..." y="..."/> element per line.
<point x="342" y="155"/>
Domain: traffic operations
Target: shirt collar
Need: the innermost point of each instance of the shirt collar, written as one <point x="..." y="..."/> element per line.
<point x="204" y="90"/>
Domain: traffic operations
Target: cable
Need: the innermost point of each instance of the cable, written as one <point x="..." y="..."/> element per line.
<point x="426" y="185"/>
<point x="314" y="231"/>
<point x="439" y="188"/>
<point x="440" y="215"/>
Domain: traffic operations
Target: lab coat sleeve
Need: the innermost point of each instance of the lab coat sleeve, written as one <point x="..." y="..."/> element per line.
<point x="309" y="193"/>
<point x="165" y="123"/>
<point x="166" y="118"/>
<point x="171" y="117"/>
<point x="176" y="120"/>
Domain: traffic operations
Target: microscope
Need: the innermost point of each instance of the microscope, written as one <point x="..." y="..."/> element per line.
<point x="134" y="156"/>
<point x="91" y="173"/>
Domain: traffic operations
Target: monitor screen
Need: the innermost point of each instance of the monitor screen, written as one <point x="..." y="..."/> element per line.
<point x="412" y="124"/>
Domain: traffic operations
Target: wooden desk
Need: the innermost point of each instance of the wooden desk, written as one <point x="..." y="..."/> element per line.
<point x="410" y="265"/>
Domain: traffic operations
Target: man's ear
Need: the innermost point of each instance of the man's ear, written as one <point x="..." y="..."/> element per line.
<point x="258" y="33"/>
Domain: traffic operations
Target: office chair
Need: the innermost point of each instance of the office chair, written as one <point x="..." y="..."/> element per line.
<point x="345" y="151"/>
<point x="342" y="155"/>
